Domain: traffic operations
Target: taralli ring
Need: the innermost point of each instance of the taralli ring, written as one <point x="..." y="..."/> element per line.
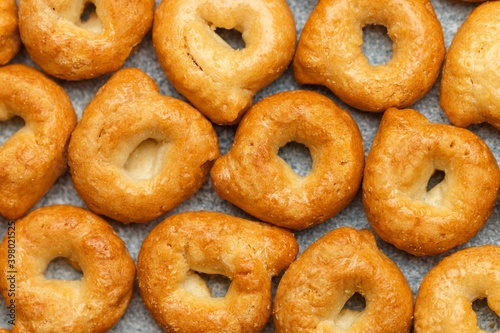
<point x="253" y="177"/>
<point x="445" y="296"/>
<point x="248" y="253"/>
<point x="406" y="152"/>
<point x="136" y="154"/>
<point x="313" y="291"/>
<point x="330" y="52"/>
<point x="33" y="158"/>
<point x="10" y="42"/>
<point x="470" y="88"/>
<point x="92" y="304"/>
<point x="219" y="80"/>
<point x="83" y="39"/>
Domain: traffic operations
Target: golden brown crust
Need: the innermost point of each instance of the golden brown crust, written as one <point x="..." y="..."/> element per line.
<point x="330" y="52"/>
<point x="93" y="304"/>
<point x="470" y="87"/>
<point x="445" y="297"/>
<point x="406" y="152"/>
<point x="217" y="79"/>
<point x="33" y="158"/>
<point x="137" y="154"/>
<point x="67" y="48"/>
<point x="316" y="286"/>
<point x="248" y="253"/>
<point x="10" y="42"/>
<point x="253" y="177"/>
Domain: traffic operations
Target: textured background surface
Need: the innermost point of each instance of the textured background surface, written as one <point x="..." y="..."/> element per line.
<point x="377" y="48"/>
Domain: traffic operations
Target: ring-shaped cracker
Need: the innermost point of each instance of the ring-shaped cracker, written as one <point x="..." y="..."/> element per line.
<point x="137" y="154"/>
<point x="92" y="304"/>
<point x="406" y="152"/>
<point x="218" y="80"/>
<point x="445" y="296"/>
<point x="70" y="46"/>
<point x="10" y="42"/>
<point x="33" y="158"/>
<point x="314" y="289"/>
<point x="248" y="253"/>
<point x="253" y="177"/>
<point x="470" y="87"/>
<point x="330" y="52"/>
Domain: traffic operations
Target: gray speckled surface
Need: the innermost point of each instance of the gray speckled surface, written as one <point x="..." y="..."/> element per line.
<point x="378" y="49"/>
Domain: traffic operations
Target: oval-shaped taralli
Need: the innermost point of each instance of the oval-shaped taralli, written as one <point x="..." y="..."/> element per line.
<point x="137" y="154"/>
<point x="248" y="253"/>
<point x="80" y="39"/>
<point x="445" y="296"/>
<point x="253" y="177"/>
<point x="10" y="42"/>
<point x="33" y="158"/>
<point x="312" y="292"/>
<point x="218" y="80"/>
<point x="92" y="304"/>
<point x="330" y="52"/>
<point x="470" y="88"/>
<point x="406" y="152"/>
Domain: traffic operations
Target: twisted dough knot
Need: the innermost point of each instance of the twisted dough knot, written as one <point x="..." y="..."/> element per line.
<point x="33" y="158"/>
<point x="92" y="304"/>
<point x="69" y="47"/>
<point x="137" y="154"/>
<point x="330" y="52"/>
<point x="445" y="296"/>
<point x="218" y="80"/>
<point x="406" y="152"/>
<point x="314" y="289"/>
<point x="248" y="253"/>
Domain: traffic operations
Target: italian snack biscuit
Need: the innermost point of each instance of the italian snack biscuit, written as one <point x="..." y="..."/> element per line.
<point x="406" y="152"/>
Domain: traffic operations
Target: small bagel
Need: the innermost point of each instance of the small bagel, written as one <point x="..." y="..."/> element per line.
<point x="470" y="87"/>
<point x="218" y="80"/>
<point x="248" y="253"/>
<point x="314" y="289"/>
<point x="33" y="158"/>
<point x="406" y="152"/>
<point x="136" y="154"/>
<point x="10" y="42"/>
<point x="445" y="296"/>
<point x="92" y="304"/>
<point x="253" y="177"/>
<point x="69" y="46"/>
<point x="330" y="52"/>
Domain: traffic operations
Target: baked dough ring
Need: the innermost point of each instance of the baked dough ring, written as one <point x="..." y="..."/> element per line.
<point x="92" y="304"/>
<point x="33" y="158"/>
<point x="313" y="291"/>
<point x="248" y="253"/>
<point x="445" y="297"/>
<point x="330" y="52"/>
<point x="253" y="177"/>
<point x="10" y="42"/>
<point x="136" y="154"/>
<point x="470" y="87"/>
<point x="405" y="153"/>
<point x="218" y="80"/>
<point x="70" y="48"/>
